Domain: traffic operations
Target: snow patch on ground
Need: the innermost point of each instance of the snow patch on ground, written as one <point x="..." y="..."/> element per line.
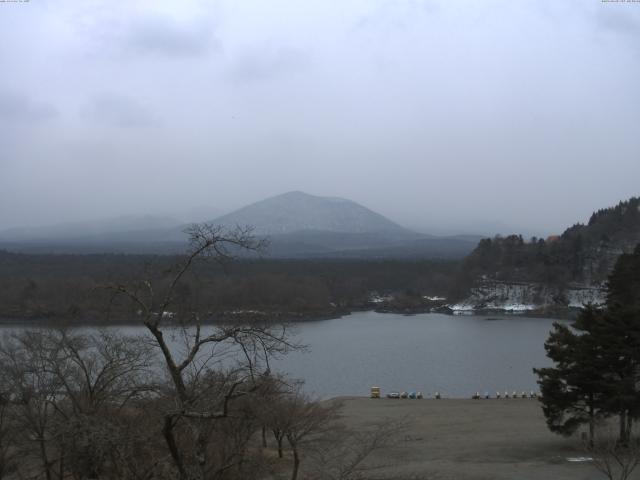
<point x="375" y="298"/>
<point x="524" y="297"/>
<point x="513" y="307"/>
<point x="578" y="297"/>
<point x="462" y="307"/>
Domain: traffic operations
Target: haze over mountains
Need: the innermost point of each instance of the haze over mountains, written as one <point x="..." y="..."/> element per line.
<point x="298" y="211"/>
<point x="89" y="228"/>
<point x="297" y="224"/>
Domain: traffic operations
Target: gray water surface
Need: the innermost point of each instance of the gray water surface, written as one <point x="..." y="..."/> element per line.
<point x="454" y="355"/>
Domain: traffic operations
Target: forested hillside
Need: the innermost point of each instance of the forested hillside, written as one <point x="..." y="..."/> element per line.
<point x="502" y="273"/>
<point x="583" y="254"/>
<point x="69" y="287"/>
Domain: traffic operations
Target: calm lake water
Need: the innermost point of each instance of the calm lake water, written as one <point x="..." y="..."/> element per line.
<point x="453" y="355"/>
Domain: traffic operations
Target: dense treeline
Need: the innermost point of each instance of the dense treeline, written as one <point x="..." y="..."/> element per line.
<point x="582" y="254"/>
<point x="67" y="287"/>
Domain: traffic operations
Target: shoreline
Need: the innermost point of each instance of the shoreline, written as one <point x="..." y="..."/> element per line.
<point x="285" y="317"/>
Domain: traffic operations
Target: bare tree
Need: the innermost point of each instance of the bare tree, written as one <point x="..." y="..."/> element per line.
<point x="34" y="393"/>
<point x="345" y="455"/>
<point x="7" y="436"/>
<point x="314" y="431"/>
<point x="183" y="401"/>
<point x="272" y="411"/>
<point x="204" y="378"/>
<point x="616" y="460"/>
<point x="68" y="392"/>
<point x="102" y="370"/>
<point x="301" y="421"/>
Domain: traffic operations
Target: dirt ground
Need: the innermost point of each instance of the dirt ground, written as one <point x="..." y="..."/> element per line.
<point x="470" y="439"/>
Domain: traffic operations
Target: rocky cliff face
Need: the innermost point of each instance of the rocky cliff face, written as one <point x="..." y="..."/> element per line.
<point x="527" y="297"/>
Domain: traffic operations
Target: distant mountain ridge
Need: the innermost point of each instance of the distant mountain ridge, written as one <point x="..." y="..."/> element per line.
<point x="298" y="225"/>
<point x="90" y="228"/>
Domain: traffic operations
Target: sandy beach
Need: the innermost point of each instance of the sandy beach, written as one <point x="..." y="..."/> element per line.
<point x="470" y="439"/>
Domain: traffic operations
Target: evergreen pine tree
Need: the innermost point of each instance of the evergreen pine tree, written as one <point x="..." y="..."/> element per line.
<point x="620" y="332"/>
<point x="574" y="391"/>
<point x="597" y="360"/>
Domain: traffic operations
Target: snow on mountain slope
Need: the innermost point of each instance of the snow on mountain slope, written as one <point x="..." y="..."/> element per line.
<point x="297" y="211"/>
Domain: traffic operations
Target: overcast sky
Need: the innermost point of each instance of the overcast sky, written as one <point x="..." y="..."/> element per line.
<point x="441" y="115"/>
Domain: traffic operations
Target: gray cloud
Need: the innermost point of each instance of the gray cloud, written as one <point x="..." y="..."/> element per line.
<point x="619" y="20"/>
<point x="265" y="62"/>
<point x="18" y="107"/>
<point x="118" y="111"/>
<point x="396" y="14"/>
<point x="156" y="35"/>
<point x="442" y="115"/>
<point x="124" y="31"/>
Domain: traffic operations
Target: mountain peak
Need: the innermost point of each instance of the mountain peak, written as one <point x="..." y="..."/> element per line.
<point x="300" y="195"/>
<point x="293" y="194"/>
<point x="298" y="211"/>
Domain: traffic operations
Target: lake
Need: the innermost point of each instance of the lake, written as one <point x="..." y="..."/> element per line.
<point x="454" y="355"/>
